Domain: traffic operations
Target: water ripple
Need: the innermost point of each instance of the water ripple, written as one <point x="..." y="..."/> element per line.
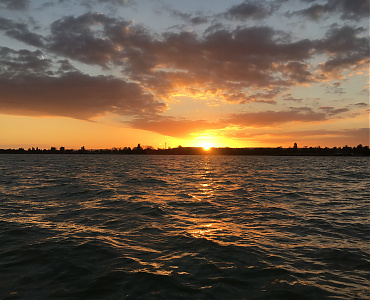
<point x="180" y="227"/>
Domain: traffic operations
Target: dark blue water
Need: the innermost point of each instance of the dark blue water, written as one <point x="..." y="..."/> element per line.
<point x="184" y="227"/>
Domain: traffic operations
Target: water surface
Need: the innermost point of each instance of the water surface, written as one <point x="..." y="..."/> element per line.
<point x="184" y="227"/>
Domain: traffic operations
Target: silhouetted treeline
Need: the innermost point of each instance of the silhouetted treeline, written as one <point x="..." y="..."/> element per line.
<point x="335" y="151"/>
<point x="82" y="150"/>
<point x="279" y="151"/>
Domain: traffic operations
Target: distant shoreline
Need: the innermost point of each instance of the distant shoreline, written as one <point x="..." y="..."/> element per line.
<point x="279" y="151"/>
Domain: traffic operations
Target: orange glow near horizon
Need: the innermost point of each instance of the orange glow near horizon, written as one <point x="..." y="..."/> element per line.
<point x="217" y="139"/>
<point x="206" y="141"/>
<point x="46" y="132"/>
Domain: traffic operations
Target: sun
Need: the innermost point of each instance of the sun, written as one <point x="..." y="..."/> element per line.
<point x="206" y="146"/>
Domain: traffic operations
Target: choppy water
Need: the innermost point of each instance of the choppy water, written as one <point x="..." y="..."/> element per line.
<point x="184" y="227"/>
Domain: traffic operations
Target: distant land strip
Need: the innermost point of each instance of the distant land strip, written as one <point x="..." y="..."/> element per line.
<point x="359" y="150"/>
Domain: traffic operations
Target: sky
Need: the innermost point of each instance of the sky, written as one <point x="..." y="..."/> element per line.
<point x="164" y="73"/>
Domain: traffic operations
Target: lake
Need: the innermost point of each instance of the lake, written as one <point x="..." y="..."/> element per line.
<point x="184" y="227"/>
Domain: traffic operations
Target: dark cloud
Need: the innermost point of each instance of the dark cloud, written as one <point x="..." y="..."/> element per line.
<point x="84" y="38"/>
<point x="254" y="10"/>
<point x="214" y="28"/>
<point x="348" y="9"/>
<point x="298" y="72"/>
<point x="228" y="63"/>
<point x="31" y="85"/>
<point x="329" y="110"/>
<point x="223" y="60"/>
<point x="198" y="20"/>
<point x="14" y="4"/>
<point x="20" y="32"/>
<point x="15" y="63"/>
<point x="339" y="40"/>
<point x="65" y="67"/>
<point x="116" y="2"/>
<point x="339" y="63"/>
<point x="314" y="12"/>
<point x="74" y="95"/>
<point x="289" y="97"/>
<point x="248" y="10"/>
<point x="268" y="96"/>
<point x="364" y="104"/>
<point x="90" y="3"/>
<point x="334" y="88"/>
<point x="345" y="48"/>
<point x="101" y="40"/>
<point x="272" y="118"/>
<point x="189" y="18"/>
<point x="6" y="24"/>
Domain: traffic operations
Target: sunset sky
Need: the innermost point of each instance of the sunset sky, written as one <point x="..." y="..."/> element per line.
<point x="103" y="74"/>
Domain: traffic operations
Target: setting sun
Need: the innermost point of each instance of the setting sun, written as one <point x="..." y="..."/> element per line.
<point x="207" y="146"/>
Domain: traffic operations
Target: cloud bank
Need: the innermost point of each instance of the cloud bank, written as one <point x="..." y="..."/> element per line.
<point x="238" y="64"/>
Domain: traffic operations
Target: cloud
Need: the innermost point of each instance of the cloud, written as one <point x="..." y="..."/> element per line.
<point x="84" y="38"/>
<point x="222" y="61"/>
<point x="74" y="95"/>
<point x="116" y="2"/>
<point x="334" y="88"/>
<point x="314" y="12"/>
<point x="254" y="10"/>
<point x="34" y="86"/>
<point x="248" y="10"/>
<point x="188" y="17"/>
<point x="238" y="65"/>
<point x="97" y="39"/>
<point x="329" y="110"/>
<point x="297" y="72"/>
<point x="346" y="49"/>
<point x="20" y="32"/>
<point x="362" y="104"/>
<point x="273" y="118"/>
<point x="345" y="39"/>
<point x="268" y="96"/>
<point x="14" y="4"/>
<point x="180" y="127"/>
<point x="65" y="67"/>
<point x="232" y="64"/>
<point x="15" y="63"/>
<point x="289" y="97"/>
<point x="90" y="3"/>
<point x="348" y="9"/>
<point x="225" y="62"/>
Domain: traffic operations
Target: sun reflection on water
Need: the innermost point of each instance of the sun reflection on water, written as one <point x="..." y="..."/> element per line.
<point x="205" y="231"/>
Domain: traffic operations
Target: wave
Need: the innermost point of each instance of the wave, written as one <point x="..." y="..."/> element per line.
<point x="184" y="227"/>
